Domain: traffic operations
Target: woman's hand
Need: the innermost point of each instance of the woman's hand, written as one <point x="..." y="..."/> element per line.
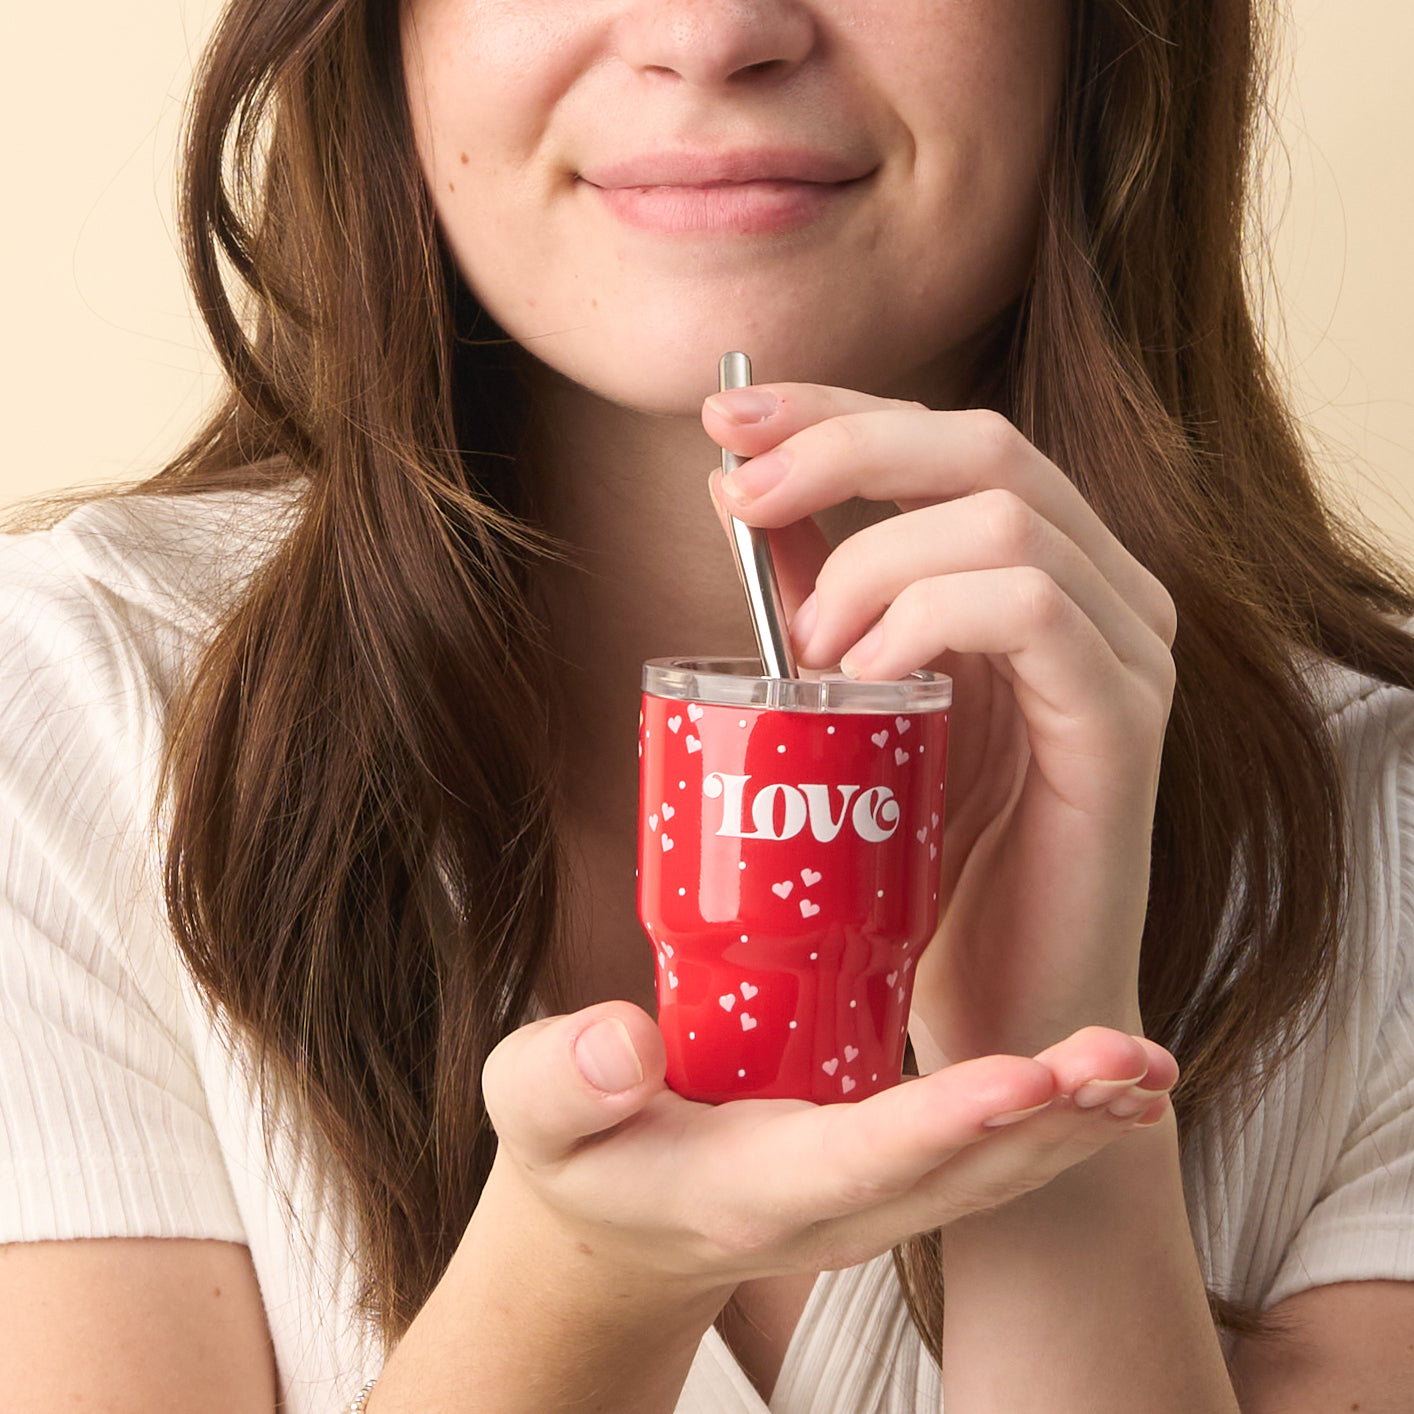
<point x="1058" y="642"/>
<point x="660" y="1189"/>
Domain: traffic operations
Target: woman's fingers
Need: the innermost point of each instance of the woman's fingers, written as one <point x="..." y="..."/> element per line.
<point x="552" y="1083"/>
<point x="838" y="1159"/>
<point x="986" y="531"/>
<point x="825" y="446"/>
<point x="1014" y="1153"/>
<point x="755" y="1187"/>
<point x="798" y="551"/>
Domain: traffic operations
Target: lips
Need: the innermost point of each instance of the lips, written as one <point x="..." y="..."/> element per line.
<point x="746" y="192"/>
<point x="705" y="169"/>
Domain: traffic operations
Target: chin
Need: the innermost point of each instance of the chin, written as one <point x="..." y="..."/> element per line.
<point x="666" y="369"/>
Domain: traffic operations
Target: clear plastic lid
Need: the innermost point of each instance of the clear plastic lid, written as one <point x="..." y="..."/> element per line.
<point x="737" y="682"/>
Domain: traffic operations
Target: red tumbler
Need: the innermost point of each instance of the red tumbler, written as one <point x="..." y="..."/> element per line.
<point x="789" y="832"/>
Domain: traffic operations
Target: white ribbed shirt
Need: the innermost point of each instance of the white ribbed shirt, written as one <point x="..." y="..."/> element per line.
<point x="125" y="1112"/>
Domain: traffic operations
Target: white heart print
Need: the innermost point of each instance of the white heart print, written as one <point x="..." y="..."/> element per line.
<point x="748" y="1022"/>
<point x="935" y="819"/>
<point x="808" y="909"/>
<point x="900" y="756"/>
<point x="782" y="890"/>
<point x="846" y="1084"/>
<point x="902" y="723"/>
<point x="652" y="822"/>
<point x="892" y="977"/>
<point x="727" y="1002"/>
<point x="921" y="835"/>
<point x="672" y="980"/>
<point x="693" y="744"/>
<point x="850" y="1052"/>
<point x="667" y="843"/>
<point x="694" y="712"/>
<point x="668" y="811"/>
<point x="809" y="877"/>
<point x="748" y="991"/>
<point x="880" y="738"/>
<point x="668" y="948"/>
<point x="674" y="723"/>
<point x="830" y="1066"/>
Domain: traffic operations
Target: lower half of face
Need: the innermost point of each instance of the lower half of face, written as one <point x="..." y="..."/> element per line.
<point x="847" y="190"/>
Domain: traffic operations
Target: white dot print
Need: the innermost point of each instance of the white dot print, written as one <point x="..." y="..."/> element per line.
<point x="742" y="723"/>
<point x="781" y="749"/>
<point x="682" y="785"/>
<point x="829" y="731"/>
<point x="792" y="1026"/>
<point x="741" y="1075"/>
<point x="682" y="893"/>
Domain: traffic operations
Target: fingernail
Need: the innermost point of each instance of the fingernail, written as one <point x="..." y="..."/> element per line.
<point x="1095" y="1093"/>
<point x="744" y="405"/>
<point x="802" y="626"/>
<point x="854" y="663"/>
<point x="1127" y="1106"/>
<point x="755" y="477"/>
<point x="1157" y="1119"/>
<point x="606" y="1058"/>
<point x="1014" y="1116"/>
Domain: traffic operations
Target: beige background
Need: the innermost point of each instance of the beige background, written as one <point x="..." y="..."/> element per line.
<point x="105" y="371"/>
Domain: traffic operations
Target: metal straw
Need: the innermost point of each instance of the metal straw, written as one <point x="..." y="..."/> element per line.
<point x="752" y="549"/>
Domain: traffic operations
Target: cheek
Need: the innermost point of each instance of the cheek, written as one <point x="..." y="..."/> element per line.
<point x="482" y="79"/>
<point x="979" y="93"/>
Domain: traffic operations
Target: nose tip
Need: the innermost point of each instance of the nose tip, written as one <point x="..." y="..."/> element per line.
<point x="707" y="42"/>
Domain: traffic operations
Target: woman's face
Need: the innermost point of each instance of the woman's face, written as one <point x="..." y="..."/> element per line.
<point x="848" y="190"/>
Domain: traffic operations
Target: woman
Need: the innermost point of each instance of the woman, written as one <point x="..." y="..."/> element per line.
<point x="394" y="1098"/>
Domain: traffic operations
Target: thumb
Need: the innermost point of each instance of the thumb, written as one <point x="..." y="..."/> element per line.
<point x="557" y="1081"/>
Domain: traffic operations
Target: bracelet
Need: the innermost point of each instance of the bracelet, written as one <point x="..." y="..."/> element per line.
<point x="360" y="1400"/>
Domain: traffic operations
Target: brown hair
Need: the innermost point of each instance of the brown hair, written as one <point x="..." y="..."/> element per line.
<point x="362" y="743"/>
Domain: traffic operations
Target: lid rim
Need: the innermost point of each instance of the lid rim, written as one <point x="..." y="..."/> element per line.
<point x="738" y="682"/>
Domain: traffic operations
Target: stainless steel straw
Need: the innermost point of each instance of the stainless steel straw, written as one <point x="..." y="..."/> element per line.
<point x="752" y="549"/>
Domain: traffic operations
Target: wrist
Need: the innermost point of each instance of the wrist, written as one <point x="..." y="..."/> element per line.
<point x="605" y="1335"/>
<point x="513" y="1222"/>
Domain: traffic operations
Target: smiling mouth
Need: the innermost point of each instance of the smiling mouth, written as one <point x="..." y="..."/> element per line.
<point x="760" y="206"/>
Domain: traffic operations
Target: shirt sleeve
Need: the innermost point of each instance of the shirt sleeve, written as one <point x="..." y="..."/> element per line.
<point x="104" y="1130"/>
<point x="1361" y="1228"/>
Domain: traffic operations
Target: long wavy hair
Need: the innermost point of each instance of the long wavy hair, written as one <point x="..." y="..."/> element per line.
<point x="362" y="868"/>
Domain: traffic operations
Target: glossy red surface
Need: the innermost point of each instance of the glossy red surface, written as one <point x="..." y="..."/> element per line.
<point x="788" y="879"/>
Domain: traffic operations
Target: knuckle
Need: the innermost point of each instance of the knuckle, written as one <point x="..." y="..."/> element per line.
<point x="1039" y="598"/>
<point x="1165" y="615"/>
<point x="1010" y="523"/>
<point x="1165" y="678"/>
<point x="995" y="436"/>
<point x="917" y="606"/>
<point x="840" y="440"/>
